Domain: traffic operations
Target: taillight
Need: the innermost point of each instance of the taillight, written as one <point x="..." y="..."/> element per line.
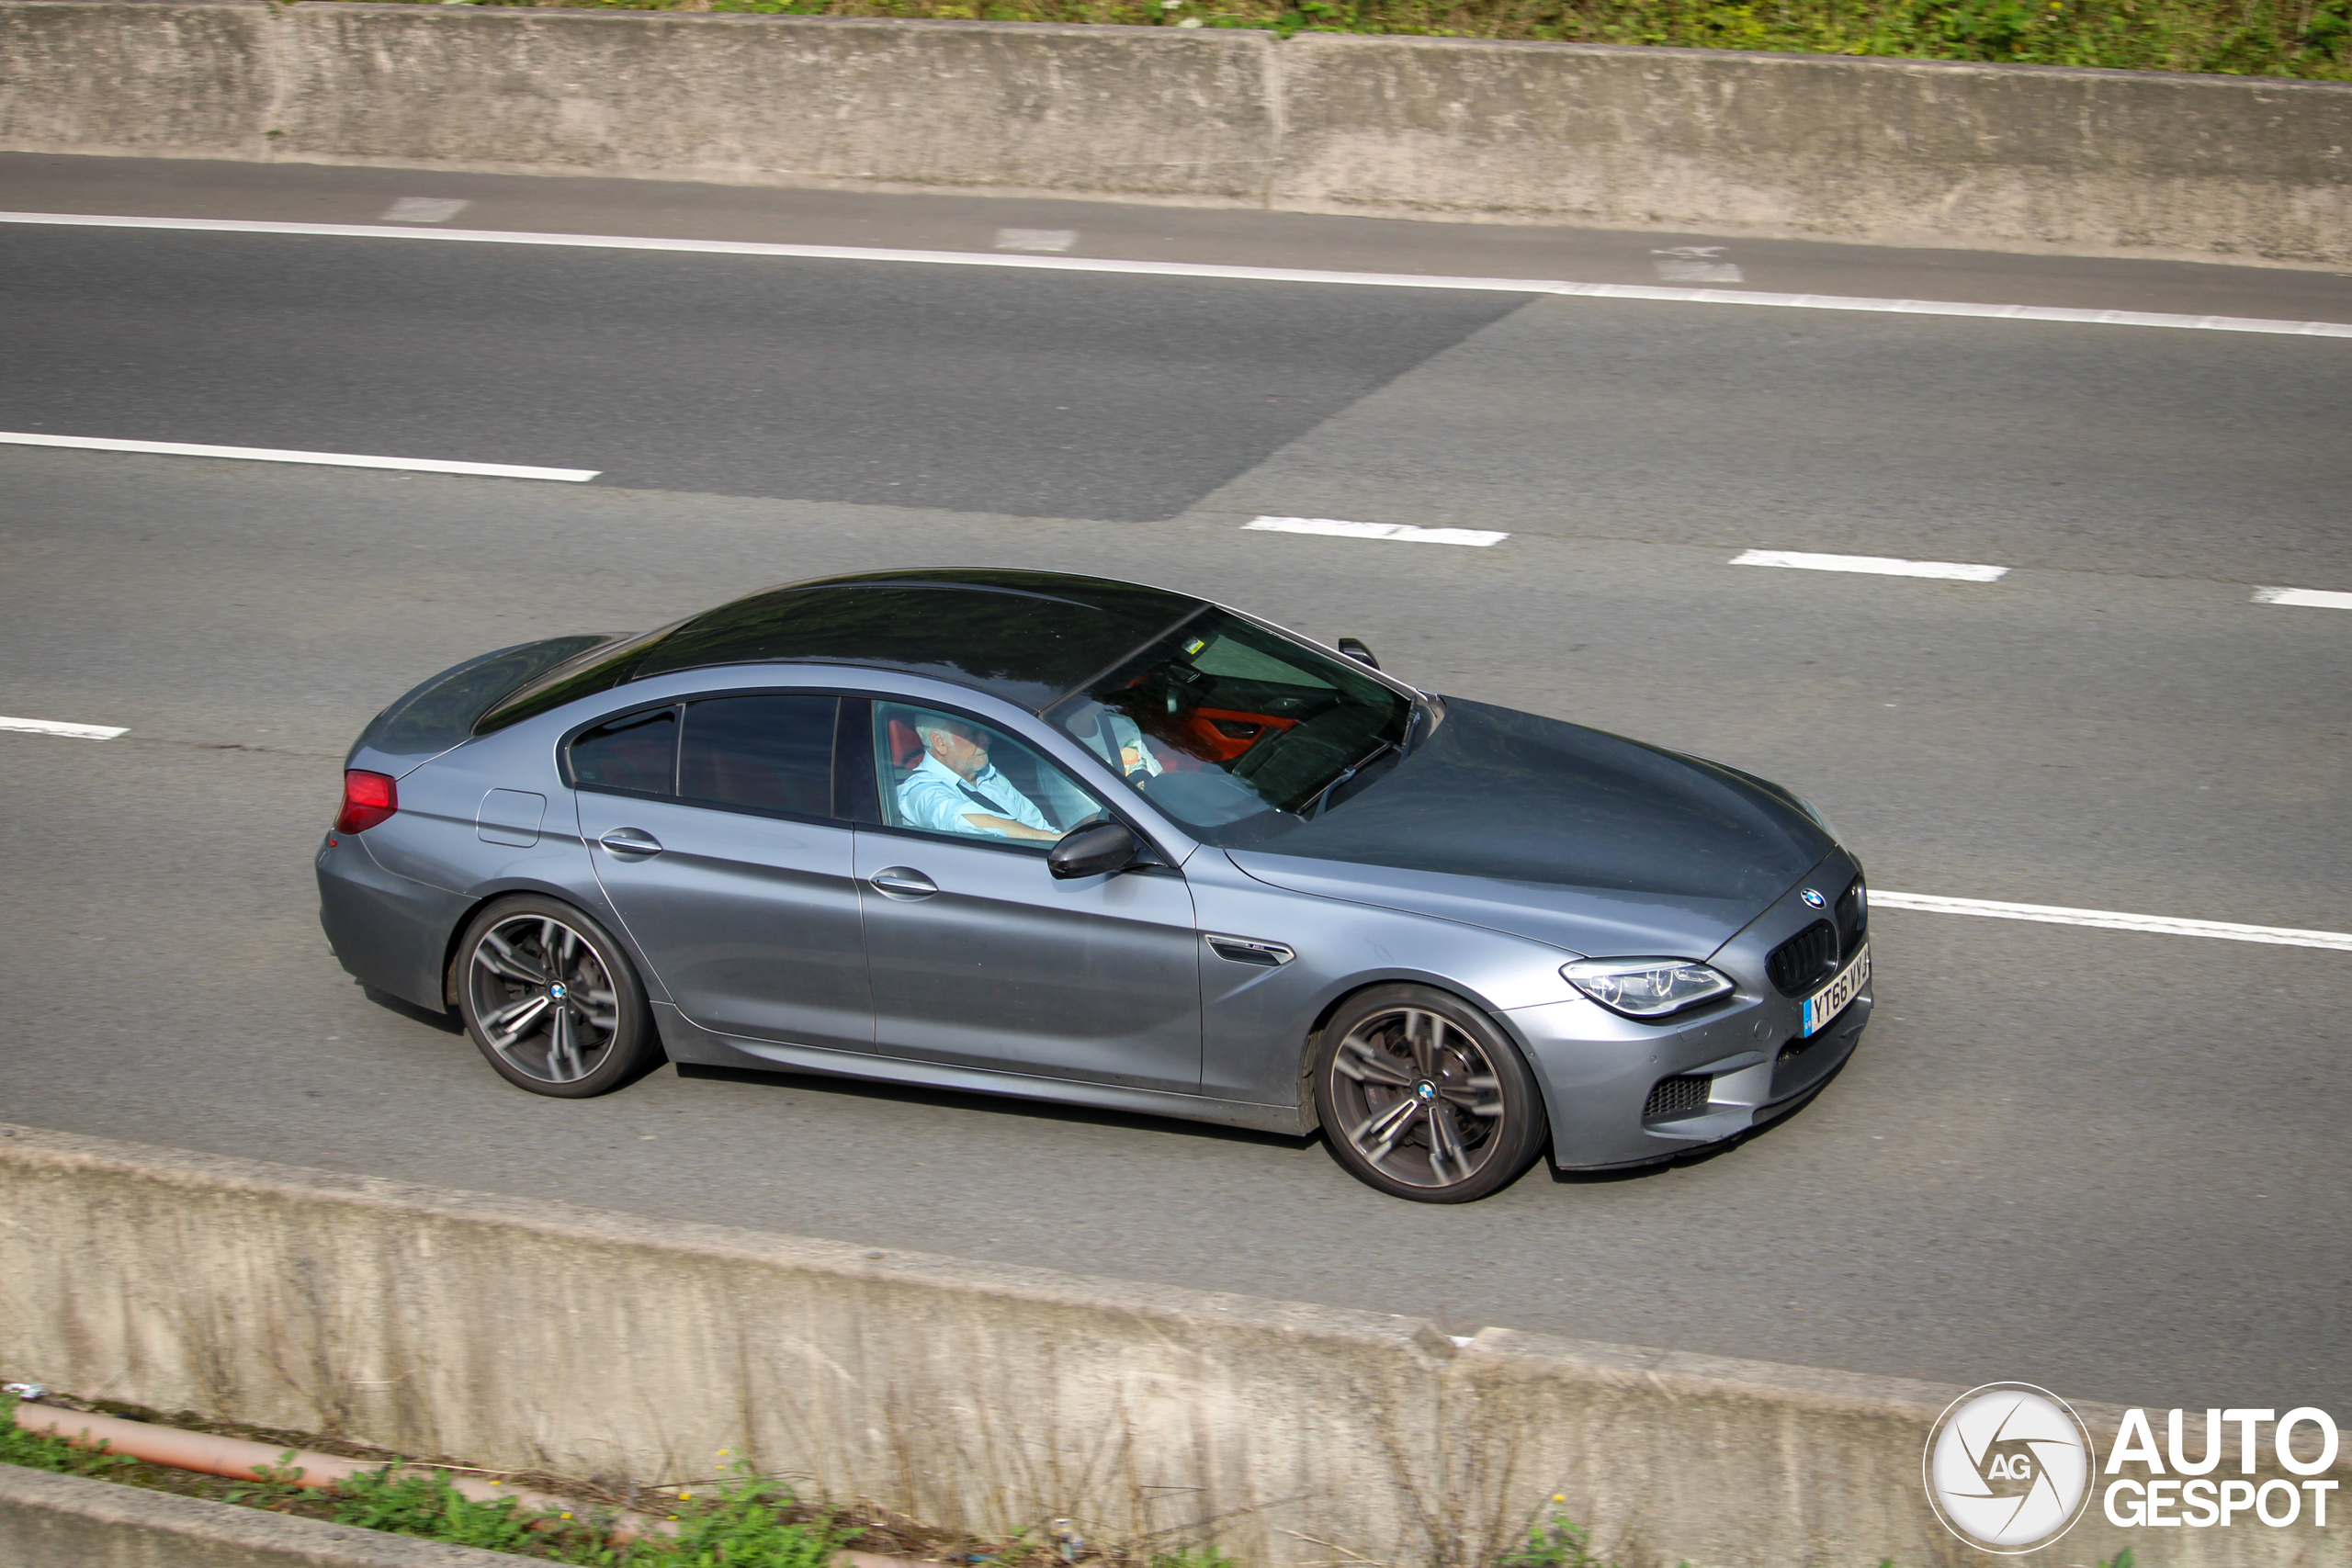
<point x="367" y="799"/>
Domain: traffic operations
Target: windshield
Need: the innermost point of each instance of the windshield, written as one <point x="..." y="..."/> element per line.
<point x="1237" y="732"/>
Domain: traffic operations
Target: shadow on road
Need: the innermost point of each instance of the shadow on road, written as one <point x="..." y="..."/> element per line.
<point x="995" y="1104"/>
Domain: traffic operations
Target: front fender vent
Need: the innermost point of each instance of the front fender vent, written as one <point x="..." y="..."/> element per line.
<point x="1250" y="950"/>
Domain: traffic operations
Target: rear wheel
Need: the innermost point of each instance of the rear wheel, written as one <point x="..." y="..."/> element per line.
<point x="551" y="1000"/>
<point x="1423" y="1097"/>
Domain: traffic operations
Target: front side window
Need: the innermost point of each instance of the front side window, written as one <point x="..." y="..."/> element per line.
<point x="1237" y="732"/>
<point x="942" y="772"/>
<point x="770" y="752"/>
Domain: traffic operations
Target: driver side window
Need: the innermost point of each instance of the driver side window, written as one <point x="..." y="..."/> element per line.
<point x="943" y="773"/>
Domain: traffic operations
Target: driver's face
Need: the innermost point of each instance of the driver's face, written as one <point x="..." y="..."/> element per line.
<point x="961" y="749"/>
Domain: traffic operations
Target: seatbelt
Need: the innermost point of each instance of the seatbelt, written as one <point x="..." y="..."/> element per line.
<point x="983" y="800"/>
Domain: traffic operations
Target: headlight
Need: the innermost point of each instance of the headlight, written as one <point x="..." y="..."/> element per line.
<point x="1646" y="987"/>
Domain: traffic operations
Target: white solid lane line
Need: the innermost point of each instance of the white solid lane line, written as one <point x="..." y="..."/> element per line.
<point x="1403" y="532"/>
<point x="1881" y="566"/>
<point x="271" y="455"/>
<point x="1203" y="269"/>
<point x="2315" y="598"/>
<point x="2112" y="919"/>
<point x="52" y="727"/>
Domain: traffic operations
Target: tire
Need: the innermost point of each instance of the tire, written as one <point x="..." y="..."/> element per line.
<point x="1423" y="1097"/>
<point x="591" y="1032"/>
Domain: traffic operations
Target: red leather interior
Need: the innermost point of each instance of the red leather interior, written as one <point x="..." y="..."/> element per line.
<point x="906" y="746"/>
<point x="1225" y="733"/>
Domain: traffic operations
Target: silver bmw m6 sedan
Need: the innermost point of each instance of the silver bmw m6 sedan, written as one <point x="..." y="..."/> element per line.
<point x="1085" y="840"/>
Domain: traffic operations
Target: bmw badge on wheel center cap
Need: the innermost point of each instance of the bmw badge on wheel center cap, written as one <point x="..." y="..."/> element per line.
<point x="2009" y="1467"/>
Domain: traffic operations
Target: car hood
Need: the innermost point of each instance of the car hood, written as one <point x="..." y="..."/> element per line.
<point x="1566" y="835"/>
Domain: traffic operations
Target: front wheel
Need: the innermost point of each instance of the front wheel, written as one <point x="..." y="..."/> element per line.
<point x="1423" y="1097"/>
<point x="551" y="1000"/>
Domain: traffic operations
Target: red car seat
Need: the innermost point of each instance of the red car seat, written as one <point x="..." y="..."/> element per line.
<point x="906" y="746"/>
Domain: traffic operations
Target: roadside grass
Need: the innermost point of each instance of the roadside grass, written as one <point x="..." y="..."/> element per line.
<point x="19" y="1447"/>
<point x="738" y="1520"/>
<point x="1556" y="1542"/>
<point x="742" y="1519"/>
<point x="2310" y="38"/>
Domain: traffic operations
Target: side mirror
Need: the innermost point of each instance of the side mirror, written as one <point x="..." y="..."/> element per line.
<point x="1355" y="648"/>
<point x="1099" y="851"/>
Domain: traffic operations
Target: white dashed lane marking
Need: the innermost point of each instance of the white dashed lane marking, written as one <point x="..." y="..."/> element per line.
<point x="1922" y="903"/>
<point x="1696" y="263"/>
<point x="1208" y="269"/>
<point x="424" y="209"/>
<point x="2312" y="598"/>
<point x="2112" y="919"/>
<point x="1402" y="532"/>
<point x="272" y="454"/>
<point x="73" y="731"/>
<point x="1881" y="566"/>
<point x="1036" y="240"/>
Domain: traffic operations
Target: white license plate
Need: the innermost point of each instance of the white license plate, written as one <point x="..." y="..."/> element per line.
<point x="1830" y="1001"/>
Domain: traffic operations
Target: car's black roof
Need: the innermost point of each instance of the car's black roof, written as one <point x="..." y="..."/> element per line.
<point x="1026" y="637"/>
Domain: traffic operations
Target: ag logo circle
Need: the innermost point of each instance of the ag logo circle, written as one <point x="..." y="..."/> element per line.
<point x="2009" y="1467"/>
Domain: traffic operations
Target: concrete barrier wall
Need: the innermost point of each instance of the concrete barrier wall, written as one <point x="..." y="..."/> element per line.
<point x="1131" y="111"/>
<point x="530" y="1336"/>
<point x="1908" y="151"/>
<point x="149" y="81"/>
<point x="1818" y="144"/>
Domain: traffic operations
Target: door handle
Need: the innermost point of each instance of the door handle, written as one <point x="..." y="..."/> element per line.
<point x="631" y="841"/>
<point x="903" y="882"/>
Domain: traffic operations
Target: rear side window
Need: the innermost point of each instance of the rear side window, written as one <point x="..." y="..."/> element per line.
<point x="637" y="751"/>
<point x="769" y="752"/>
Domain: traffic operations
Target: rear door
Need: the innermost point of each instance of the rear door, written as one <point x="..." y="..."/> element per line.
<point x="711" y="827"/>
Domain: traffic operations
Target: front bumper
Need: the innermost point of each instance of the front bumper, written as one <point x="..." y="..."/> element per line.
<point x="1622" y="1092"/>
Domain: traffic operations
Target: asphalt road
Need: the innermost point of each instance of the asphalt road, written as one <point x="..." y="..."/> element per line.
<point x="2107" y="1162"/>
<point x="296" y="193"/>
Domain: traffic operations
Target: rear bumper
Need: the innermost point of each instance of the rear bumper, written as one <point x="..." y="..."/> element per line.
<point x="389" y="931"/>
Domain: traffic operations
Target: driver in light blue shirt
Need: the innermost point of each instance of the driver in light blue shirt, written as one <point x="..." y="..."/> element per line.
<point x="954" y="789"/>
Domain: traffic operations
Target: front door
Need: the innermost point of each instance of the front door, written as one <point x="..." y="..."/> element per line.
<point x="978" y="957"/>
<point x="711" y="828"/>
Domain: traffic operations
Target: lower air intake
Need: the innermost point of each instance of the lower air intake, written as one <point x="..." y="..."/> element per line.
<point x="1685" y="1094"/>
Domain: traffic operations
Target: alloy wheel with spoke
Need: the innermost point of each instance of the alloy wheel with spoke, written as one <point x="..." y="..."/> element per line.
<point x="542" y="999"/>
<point x="1420" y="1097"/>
<point x="1424" y="1095"/>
